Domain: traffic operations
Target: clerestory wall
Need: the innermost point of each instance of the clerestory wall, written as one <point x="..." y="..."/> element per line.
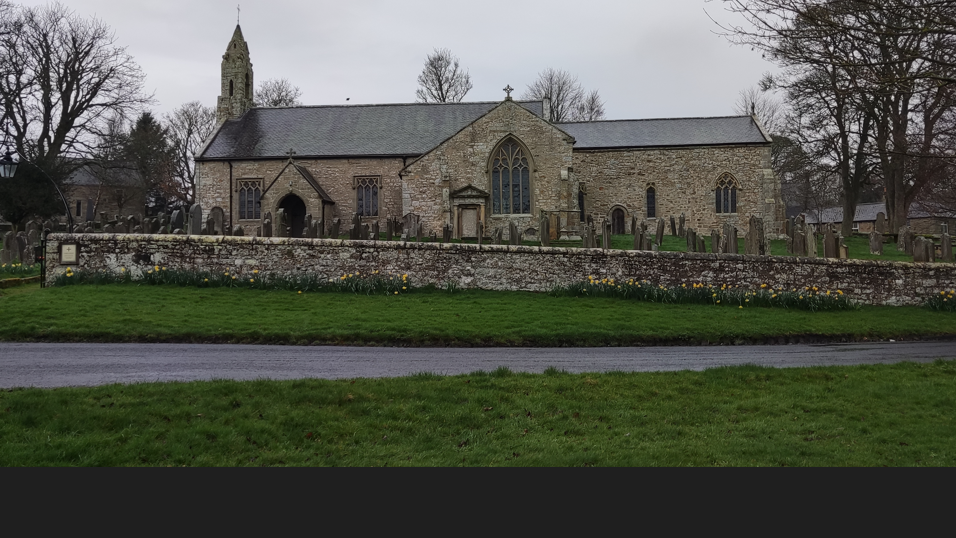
<point x="501" y="267"/>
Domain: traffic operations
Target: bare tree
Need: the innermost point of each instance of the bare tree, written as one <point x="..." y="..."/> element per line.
<point x="442" y="80"/>
<point x="568" y="100"/>
<point x="893" y="61"/>
<point x="189" y="127"/>
<point x="277" y="93"/>
<point x="61" y="77"/>
<point x="760" y="102"/>
<point x="591" y="108"/>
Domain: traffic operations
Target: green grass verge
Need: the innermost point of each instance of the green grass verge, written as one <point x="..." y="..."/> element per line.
<point x="898" y="415"/>
<point x="137" y="313"/>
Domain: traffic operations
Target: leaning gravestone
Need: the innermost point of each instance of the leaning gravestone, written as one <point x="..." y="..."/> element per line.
<point x="660" y="232"/>
<point x="715" y="241"/>
<point x="673" y="227"/>
<point x="680" y="228"/>
<point x="194" y="226"/>
<point x="545" y="232"/>
<point x="177" y="220"/>
<point x="389" y="230"/>
<point x="876" y="243"/>
<point x="638" y="238"/>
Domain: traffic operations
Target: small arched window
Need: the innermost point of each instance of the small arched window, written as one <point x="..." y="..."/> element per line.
<point x="247" y="86"/>
<point x="231" y="87"/>
<point x="651" y="202"/>
<point x="726" y="194"/>
<point x="510" y="180"/>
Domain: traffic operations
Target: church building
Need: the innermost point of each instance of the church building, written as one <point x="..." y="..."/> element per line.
<point x="460" y="164"/>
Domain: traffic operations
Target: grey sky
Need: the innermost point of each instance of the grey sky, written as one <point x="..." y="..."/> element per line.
<point x="648" y="58"/>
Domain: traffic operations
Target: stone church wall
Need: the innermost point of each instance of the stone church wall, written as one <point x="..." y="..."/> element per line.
<point x="464" y="160"/>
<point x="684" y="180"/>
<point x="335" y="176"/>
<point x="497" y="267"/>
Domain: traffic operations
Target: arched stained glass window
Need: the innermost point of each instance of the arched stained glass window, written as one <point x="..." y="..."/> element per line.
<point x="651" y="202"/>
<point x="250" y="193"/>
<point x="726" y="194"/>
<point x="510" y="180"/>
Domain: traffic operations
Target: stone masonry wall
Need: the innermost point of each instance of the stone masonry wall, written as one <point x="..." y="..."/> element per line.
<point x="335" y="176"/>
<point x="684" y="180"/>
<point x="497" y="267"/>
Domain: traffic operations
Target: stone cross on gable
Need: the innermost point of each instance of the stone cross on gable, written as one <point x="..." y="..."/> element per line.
<point x="238" y="13"/>
<point x="291" y="153"/>
<point x="508" y="89"/>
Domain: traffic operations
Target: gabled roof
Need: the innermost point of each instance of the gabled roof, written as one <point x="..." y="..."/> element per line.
<point x="307" y="176"/>
<point x="402" y="130"/>
<point x="868" y="212"/>
<point x="732" y="130"/>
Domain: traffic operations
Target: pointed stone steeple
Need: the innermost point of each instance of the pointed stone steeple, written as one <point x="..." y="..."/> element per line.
<point x="237" y="79"/>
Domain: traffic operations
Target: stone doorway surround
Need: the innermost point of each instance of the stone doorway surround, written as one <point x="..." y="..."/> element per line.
<point x="468" y="209"/>
<point x="295" y="209"/>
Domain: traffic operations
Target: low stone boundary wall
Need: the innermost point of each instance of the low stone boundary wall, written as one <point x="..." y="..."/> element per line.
<point x="15" y="282"/>
<point x="501" y="267"/>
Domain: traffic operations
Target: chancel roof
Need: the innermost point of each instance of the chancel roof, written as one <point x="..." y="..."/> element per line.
<point x="346" y="131"/>
<point x="669" y="132"/>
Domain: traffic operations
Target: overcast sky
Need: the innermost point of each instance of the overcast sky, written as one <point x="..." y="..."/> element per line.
<point x="647" y="58"/>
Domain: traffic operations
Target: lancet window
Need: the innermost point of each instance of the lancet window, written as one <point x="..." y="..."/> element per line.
<point x="510" y="180"/>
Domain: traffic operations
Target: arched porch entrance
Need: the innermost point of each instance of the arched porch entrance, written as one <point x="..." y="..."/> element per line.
<point x="617" y="222"/>
<point x="295" y="211"/>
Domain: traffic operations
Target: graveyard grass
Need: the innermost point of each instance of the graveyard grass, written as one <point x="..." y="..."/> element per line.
<point x="884" y="415"/>
<point x="137" y="313"/>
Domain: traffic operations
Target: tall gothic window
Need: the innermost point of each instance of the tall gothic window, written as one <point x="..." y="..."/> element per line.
<point x="651" y="202"/>
<point x="510" y="180"/>
<point x="366" y="195"/>
<point x="250" y="193"/>
<point x="726" y="194"/>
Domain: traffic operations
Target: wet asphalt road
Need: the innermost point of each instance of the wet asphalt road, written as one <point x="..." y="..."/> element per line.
<point x="60" y="365"/>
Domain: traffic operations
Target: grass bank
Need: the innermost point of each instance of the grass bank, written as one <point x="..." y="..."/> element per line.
<point x="897" y="415"/>
<point x="139" y="313"/>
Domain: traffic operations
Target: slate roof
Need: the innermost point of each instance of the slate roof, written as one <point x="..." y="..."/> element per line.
<point x="732" y="130"/>
<point x="346" y="131"/>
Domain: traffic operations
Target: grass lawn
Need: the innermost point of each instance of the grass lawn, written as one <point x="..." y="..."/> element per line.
<point x="139" y="313"/>
<point x="896" y="415"/>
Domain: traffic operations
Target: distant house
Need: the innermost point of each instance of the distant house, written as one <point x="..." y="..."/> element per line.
<point x="921" y="219"/>
<point x="91" y="190"/>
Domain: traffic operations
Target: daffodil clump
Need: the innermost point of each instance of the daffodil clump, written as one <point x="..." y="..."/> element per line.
<point x="18" y="270"/>
<point x="374" y="283"/>
<point x="945" y="301"/>
<point x="808" y="298"/>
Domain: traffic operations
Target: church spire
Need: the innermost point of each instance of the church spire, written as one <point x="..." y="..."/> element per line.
<point x="237" y="79"/>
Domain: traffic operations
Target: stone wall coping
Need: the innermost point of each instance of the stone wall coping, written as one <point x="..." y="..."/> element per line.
<point x="516" y="249"/>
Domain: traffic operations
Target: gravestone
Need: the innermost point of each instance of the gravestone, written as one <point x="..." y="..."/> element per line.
<point x="433" y="238"/>
<point x="307" y="226"/>
<point x="715" y="241"/>
<point x="920" y="251"/>
<point x="638" y="238"/>
<point x="267" y="227"/>
<point x="404" y="237"/>
<point x="355" y="231"/>
<point x="281" y="226"/>
<point x="545" y="232"/>
<point x="946" y="248"/>
<point x="336" y="226"/>
<point x="754" y="241"/>
<point x="673" y="227"/>
<point x="498" y="238"/>
<point x="690" y="240"/>
<point x="419" y="231"/>
<point x="319" y="226"/>
<point x="701" y="244"/>
<point x="680" y="228"/>
<point x="218" y="221"/>
<point x="731" y="244"/>
<point x="876" y="243"/>
<point x="314" y="229"/>
<point x="904" y="242"/>
<point x="812" y="244"/>
<point x="880" y="225"/>
<point x="374" y="231"/>
<point x="634" y="226"/>
<point x="7" y="255"/>
<point x="410" y="222"/>
<point x="21" y="247"/>
<point x="50" y="225"/>
<point x="33" y="237"/>
<point x="389" y="230"/>
<point x="830" y="244"/>
<point x="109" y="229"/>
<point x="194" y="226"/>
<point x="660" y="232"/>
<point x="481" y="233"/>
<point x="138" y="229"/>
<point x="606" y="235"/>
<point x="514" y="236"/>
<point x="788" y="228"/>
<point x="177" y="220"/>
